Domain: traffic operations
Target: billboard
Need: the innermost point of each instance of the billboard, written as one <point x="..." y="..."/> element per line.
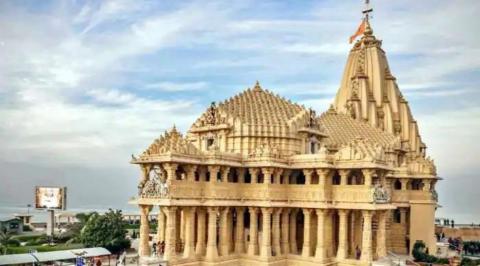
<point x="51" y="198"/>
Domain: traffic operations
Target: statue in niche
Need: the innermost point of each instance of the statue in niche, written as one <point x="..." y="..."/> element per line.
<point x="211" y="116"/>
<point x="380" y="194"/>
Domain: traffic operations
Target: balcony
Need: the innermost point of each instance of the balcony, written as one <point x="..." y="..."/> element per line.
<point x="187" y="190"/>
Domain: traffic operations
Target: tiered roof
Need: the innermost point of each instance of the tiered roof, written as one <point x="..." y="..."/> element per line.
<point x="258" y="107"/>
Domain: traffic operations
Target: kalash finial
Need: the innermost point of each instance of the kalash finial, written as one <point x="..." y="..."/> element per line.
<point x="257" y="86"/>
<point x="364" y="27"/>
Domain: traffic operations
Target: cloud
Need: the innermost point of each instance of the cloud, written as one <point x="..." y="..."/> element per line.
<point x="177" y="86"/>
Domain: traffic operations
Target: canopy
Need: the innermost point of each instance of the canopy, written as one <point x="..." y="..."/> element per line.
<point x="53" y="255"/>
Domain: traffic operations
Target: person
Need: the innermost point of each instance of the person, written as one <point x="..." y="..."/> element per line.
<point x="162" y="247"/>
<point x="154" y="247"/>
<point x="358" y="253"/>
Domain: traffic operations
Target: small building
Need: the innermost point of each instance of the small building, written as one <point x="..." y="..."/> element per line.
<point x="11" y="225"/>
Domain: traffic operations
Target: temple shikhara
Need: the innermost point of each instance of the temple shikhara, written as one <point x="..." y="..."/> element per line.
<point x="261" y="180"/>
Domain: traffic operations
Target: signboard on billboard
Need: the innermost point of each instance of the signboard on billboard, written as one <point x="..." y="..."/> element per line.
<point x="51" y="198"/>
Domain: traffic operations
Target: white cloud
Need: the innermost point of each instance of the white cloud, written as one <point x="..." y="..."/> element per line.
<point x="177" y="86"/>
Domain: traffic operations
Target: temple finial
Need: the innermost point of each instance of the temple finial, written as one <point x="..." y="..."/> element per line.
<point x="257" y="86"/>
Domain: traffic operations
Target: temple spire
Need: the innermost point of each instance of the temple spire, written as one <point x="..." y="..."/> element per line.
<point x="366" y="13"/>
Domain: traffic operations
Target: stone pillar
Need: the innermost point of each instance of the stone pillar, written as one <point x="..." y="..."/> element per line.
<point x="426" y="185"/>
<point x="212" y="251"/>
<point x="367" y="237"/>
<point x="293" y="231"/>
<point x="160" y="226"/>
<point x="320" y="253"/>
<point x="225" y="172"/>
<point x="170" y="232"/>
<point x="191" y="172"/>
<point x="253" y="243"/>
<point x="239" y="231"/>
<point x="322" y="176"/>
<point x="189" y="249"/>
<point x="171" y="169"/>
<point x="144" y="246"/>
<point x="201" y="221"/>
<point x="202" y="174"/>
<point x="343" y="176"/>
<point x="404" y="182"/>
<point x="307" y="222"/>
<point x="267" y="175"/>
<point x="342" y="234"/>
<point x="285" y="227"/>
<point x="224" y="244"/>
<point x="382" y="234"/>
<point x="351" y="231"/>
<point x="286" y="176"/>
<point x="276" y="232"/>
<point x="277" y="176"/>
<point x="368" y="176"/>
<point x="254" y="175"/>
<point x="266" y="250"/>
<point x="403" y="215"/>
<point x="308" y="176"/>
<point x="213" y="169"/>
<point x="241" y="175"/>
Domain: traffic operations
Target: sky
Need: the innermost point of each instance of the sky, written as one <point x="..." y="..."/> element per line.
<point x="85" y="84"/>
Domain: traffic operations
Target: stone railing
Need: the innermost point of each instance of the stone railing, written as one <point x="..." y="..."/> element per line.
<point x="272" y="192"/>
<point x="408" y="195"/>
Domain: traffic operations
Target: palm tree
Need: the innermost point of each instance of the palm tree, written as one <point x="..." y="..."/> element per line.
<point x="5" y="238"/>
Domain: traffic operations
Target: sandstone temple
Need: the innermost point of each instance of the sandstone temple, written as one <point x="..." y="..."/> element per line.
<point x="261" y="180"/>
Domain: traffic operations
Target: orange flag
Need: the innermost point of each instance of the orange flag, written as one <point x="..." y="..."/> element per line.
<point x="360" y="31"/>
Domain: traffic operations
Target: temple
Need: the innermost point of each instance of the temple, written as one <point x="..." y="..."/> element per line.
<point x="260" y="180"/>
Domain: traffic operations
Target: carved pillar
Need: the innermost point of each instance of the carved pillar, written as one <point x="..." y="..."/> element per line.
<point x="267" y="175"/>
<point x="224" y="244"/>
<point x="253" y="243"/>
<point x="213" y="169"/>
<point x="266" y="250"/>
<point x="367" y="237"/>
<point x="189" y="249"/>
<point x="286" y="176"/>
<point x="201" y="221"/>
<point x="171" y="169"/>
<point x="382" y="234"/>
<point x="144" y="247"/>
<point x="351" y="232"/>
<point x="277" y="176"/>
<point x="170" y="232"/>
<point x="342" y="234"/>
<point x="225" y="172"/>
<point x="403" y="215"/>
<point x="308" y="176"/>
<point x="367" y="176"/>
<point x="426" y="185"/>
<point x="253" y="174"/>
<point x="306" y="251"/>
<point x="320" y="252"/>
<point x="285" y="226"/>
<point x="160" y="226"/>
<point x="191" y="172"/>
<point x="404" y="182"/>
<point x="202" y="174"/>
<point x="239" y="231"/>
<point x="212" y="251"/>
<point x="322" y="176"/>
<point x="241" y="175"/>
<point x="276" y="232"/>
<point x="343" y="176"/>
<point x="293" y="231"/>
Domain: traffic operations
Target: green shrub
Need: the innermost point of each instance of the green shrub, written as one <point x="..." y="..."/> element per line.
<point x="13" y="242"/>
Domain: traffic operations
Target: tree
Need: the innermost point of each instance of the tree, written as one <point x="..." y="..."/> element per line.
<point x="5" y="238"/>
<point x="74" y="230"/>
<point x="107" y="230"/>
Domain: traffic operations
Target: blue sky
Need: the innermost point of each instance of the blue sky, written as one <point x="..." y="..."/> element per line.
<point x="84" y="84"/>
